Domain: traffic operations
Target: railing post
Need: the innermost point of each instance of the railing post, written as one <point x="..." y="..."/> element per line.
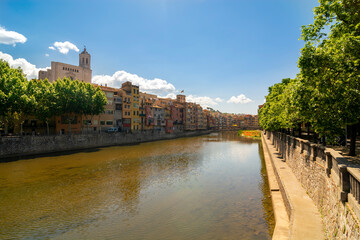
<point x="344" y="183"/>
<point x="313" y="149"/>
<point x="328" y="163"/>
<point x="294" y="143"/>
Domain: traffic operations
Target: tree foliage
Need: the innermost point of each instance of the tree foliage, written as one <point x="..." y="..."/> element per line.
<point x="44" y="100"/>
<point x="326" y="92"/>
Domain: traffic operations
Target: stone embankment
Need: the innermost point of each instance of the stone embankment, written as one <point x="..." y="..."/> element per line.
<point x="16" y="147"/>
<point x="331" y="182"/>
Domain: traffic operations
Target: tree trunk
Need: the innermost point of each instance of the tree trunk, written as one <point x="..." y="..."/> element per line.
<point x="47" y="128"/>
<point x="308" y="130"/>
<point x="323" y="140"/>
<point x="346" y="134"/>
<point x="315" y="137"/>
<point x="6" y="128"/>
<point x="21" y="129"/>
<point x="353" y="130"/>
<point x="300" y="130"/>
<point x="69" y="132"/>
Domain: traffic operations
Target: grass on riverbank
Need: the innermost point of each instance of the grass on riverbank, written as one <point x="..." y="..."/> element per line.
<point x="254" y="134"/>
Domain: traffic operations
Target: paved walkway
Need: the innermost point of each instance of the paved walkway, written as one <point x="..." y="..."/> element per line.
<point x="305" y="219"/>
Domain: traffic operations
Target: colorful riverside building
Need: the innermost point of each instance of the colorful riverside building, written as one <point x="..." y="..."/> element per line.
<point x="131" y="115"/>
<point x="130" y="110"/>
<point x="146" y="102"/>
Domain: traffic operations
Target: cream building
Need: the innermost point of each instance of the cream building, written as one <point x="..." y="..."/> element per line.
<point x="61" y="70"/>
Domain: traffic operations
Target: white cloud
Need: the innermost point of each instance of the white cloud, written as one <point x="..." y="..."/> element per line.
<point x="11" y="37"/>
<point x="155" y="86"/>
<point x="64" y="47"/>
<point x="241" y="99"/>
<point x="29" y="69"/>
<point x="46" y="54"/>
<point x="219" y="100"/>
<point x="203" y="101"/>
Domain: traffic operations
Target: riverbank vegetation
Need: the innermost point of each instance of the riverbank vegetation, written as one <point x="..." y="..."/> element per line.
<point x="20" y="98"/>
<point x="254" y="134"/>
<point x="326" y="93"/>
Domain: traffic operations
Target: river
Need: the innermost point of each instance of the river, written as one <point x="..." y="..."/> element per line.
<point x="207" y="187"/>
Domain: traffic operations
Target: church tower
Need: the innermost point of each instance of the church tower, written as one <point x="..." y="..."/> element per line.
<point x="84" y="59"/>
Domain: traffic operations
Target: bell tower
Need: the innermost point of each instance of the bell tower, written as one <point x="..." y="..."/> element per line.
<point x="84" y="59"/>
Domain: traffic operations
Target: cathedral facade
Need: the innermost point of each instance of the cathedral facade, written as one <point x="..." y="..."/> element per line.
<point x="60" y="70"/>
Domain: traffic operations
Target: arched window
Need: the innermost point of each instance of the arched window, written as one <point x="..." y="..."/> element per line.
<point x="83" y="61"/>
<point x="86" y="61"/>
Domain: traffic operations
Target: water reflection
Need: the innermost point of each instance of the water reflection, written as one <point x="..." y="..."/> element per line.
<point x="189" y="188"/>
<point x="266" y="198"/>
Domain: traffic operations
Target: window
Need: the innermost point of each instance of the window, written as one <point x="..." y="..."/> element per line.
<point x="134" y="113"/>
<point x="134" y="91"/>
<point x="109" y="122"/>
<point x="109" y="112"/>
<point x="137" y="113"/>
<point x="95" y="122"/>
<point x="138" y="91"/>
<point x="87" y="61"/>
<point x="102" y="122"/>
<point x="134" y="105"/>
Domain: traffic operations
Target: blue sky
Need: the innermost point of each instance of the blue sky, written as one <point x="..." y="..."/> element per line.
<point x="214" y="50"/>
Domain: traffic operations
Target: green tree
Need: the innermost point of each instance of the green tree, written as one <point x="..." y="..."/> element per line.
<point x="16" y="103"/>
<point x="46" y="101"/>
<point x="67" y="101"/>
<point x="279" y="111"/>
<point x="329" y="65"/>
<point x="95" y="101"/>
<point x="76" y="98"/>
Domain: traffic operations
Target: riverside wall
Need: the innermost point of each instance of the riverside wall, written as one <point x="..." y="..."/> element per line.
<point x="21" y="146"/>
<point x="331" y="182"/>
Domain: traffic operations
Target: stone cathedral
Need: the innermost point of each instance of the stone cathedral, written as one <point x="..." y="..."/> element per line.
<point x="61" y="70"/>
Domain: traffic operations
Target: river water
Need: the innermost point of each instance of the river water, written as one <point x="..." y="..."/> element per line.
<point x="208" y="187"/>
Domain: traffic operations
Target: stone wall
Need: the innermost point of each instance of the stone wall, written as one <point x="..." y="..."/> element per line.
<point x="331" y="182"/>
<point x="11" y="147"/>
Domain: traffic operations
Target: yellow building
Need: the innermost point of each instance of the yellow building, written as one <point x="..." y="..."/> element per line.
<point x="131" y="114"/>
